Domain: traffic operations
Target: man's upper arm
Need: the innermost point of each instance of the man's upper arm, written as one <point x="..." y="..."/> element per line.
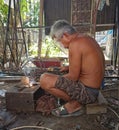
<point x="75" y="58"/>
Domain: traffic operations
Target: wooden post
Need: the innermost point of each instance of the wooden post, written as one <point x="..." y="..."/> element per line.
<point x="40" y="29"/>
<point x="118" y="37"/>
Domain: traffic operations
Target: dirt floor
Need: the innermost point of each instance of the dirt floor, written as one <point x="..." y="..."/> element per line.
<point x="84" y="122"/>
<point x="106" y="121"/>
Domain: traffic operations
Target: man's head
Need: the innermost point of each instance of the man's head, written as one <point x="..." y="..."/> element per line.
<point x="60" y="27"/>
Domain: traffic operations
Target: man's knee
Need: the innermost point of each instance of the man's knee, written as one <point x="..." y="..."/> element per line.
<point x="42" y="78"/>
<point x="43" y="81"/>
<point x="47" y="81"/>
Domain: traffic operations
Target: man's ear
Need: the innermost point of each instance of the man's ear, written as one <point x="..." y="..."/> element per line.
<point x="65" y="35"/>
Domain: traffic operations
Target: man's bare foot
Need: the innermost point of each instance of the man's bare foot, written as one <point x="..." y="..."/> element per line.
<point x="72" y="106"/>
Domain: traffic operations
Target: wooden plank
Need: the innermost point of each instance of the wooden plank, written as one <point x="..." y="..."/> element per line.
<point x="96" y="108"/>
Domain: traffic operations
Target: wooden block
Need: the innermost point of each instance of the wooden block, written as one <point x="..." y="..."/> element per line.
<point x="96" y="108"/>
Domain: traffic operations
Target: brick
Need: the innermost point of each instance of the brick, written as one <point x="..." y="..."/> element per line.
<point x="96" y="108"/>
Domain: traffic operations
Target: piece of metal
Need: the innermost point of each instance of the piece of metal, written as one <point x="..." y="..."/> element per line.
<point x="8" y="78"/>
<point x="23" y="100"/>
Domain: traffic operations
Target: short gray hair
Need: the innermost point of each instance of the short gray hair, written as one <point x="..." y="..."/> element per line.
<point x="61" y="26"/>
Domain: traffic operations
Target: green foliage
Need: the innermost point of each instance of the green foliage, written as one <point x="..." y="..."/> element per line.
<point x="23" y="8"/>
<point x="33" y="50"/>
<point x="3" y="11"/>
<point x="29" y="10"/>
<point x="50" y="48"/>
<point x="32" y="13"/>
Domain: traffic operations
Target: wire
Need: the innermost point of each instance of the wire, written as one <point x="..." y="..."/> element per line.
<point x="113" y="112"/>
<point x="21" y="127"/>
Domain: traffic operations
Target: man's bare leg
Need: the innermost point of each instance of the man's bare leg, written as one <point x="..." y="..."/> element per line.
<point x="71" y="105"/>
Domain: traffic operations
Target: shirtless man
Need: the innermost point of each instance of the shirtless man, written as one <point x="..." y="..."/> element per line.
<point x="81" y="84"/>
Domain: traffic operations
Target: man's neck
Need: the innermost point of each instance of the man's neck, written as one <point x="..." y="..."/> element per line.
<point x="73" y="36"/>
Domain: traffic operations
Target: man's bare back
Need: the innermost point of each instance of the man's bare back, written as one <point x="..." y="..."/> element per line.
<point x="86" y="61"/>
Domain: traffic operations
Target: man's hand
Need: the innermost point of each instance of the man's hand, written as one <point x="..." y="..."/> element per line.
<point x="64" y="69"/>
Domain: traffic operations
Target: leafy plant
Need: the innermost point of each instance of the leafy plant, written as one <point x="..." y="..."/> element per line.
<point x="31" y="14"/>
<point x="51" y="49"/>
<point x="29" y="10"/>
<point x="3" y="11"/>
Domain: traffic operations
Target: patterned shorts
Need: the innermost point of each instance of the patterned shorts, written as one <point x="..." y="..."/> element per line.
<point x="77" y="91"/>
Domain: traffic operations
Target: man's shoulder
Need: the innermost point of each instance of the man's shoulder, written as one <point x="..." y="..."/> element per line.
<point x="84" y="37"/>
<point x="81" y="40"/>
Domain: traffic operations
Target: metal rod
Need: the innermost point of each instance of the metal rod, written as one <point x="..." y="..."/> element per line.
<point x="101" y="25"/>
<point x="111" y="77"/>
<point x="117" y="31"/>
